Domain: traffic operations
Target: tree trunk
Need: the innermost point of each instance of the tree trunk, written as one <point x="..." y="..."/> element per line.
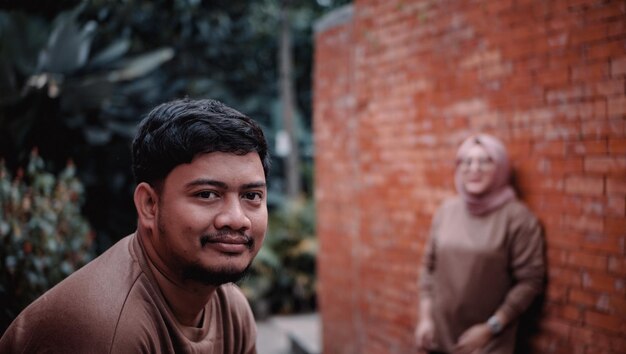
<point x="287" y="95"/>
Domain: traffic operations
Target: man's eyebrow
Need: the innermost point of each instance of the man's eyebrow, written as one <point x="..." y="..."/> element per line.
<point x="222" y="185"/>
<point x="207" y="182"/>
<point x="253" y="185"/>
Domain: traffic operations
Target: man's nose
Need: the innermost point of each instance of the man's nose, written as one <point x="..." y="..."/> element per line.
<point x="232" y="215"/>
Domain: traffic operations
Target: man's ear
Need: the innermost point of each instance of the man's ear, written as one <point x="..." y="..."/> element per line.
<point x="146" y="203"/>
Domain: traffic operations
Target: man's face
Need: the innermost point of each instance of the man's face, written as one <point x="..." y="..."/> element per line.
<point x="212" y="217"/>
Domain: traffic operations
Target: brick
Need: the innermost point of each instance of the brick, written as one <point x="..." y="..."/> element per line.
<point x="586" y="147"/>
<point x="604" y="51"/>
<point x="583" y="111"/>
<point x="617" y="304"/>
<point x="567" y="59"/>
<point x="606" y="164"/>
<point x="583" y="223"/>
<point x="603" y="304"/>
<point x="589" y="34"/>
<point x="603" y="321"/>
<point x="557" y="257"/>
<point x="588" y="260"/>
<point x="587" y="335"/>
<point x="560" y="166"/>
<point x="617" y="128"/>
<point x="600" y="281"/>
<point x="604" y="12"/>
<point x="556" y="236"/>
<point x="564" y="95"/>
<point x="585" y="73"/>
<point x="594" y="207"/>
<point x="616" y="29"/>
<point x="615" y="226"/>
<point x="545" y="344"/>
<point x="615" y="186"/>
<point x="555" y="203"/>
<point x="609" y="88"/>
<point x="523" y="49"/>
<point x="582" y="297"/>
<point x="618" y="66"/>
<point x="564" y="276"/>
<point x="616" y="106"/>
<point x="554" y="131"/>
<point x="617" y="265"/>
<point x="616" y="206"/>
<point x="584" y="185"/>
<point x="571" y="313"/>
<point x="496" y="7"/>
<point x="556" y="327"/>
<point x="617" y="146"/>
<point x="612" y="245"/>
<point x="601" y="128"/>
<point x="553" y="78"/>
<point x="618" y="345"/>
<point x="557" y="292"/>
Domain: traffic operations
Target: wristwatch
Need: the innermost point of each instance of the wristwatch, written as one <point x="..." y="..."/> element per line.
<point x="494" y="325"/>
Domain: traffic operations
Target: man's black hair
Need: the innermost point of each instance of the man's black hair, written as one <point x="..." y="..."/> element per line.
<point x="174" y="133"/>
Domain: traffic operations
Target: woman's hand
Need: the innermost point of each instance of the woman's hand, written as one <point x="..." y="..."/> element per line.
<point x="425" y="334"/>
<point x="473" y="339"/>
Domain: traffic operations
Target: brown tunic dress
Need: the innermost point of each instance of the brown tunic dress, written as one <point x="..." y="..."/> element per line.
<point x="474" y="266"/>
<point x="113" y="305"/>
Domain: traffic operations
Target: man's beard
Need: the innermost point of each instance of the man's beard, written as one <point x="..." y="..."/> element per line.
<point x="209" y="276"/>
<point x="213" y="277"/>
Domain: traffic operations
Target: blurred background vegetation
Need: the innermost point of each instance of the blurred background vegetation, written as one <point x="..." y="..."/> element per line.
<point x="75" y="79"/>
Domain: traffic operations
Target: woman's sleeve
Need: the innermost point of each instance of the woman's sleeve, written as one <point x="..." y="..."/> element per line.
<point x="527" y="266"/>
<point x="429" y="260"/>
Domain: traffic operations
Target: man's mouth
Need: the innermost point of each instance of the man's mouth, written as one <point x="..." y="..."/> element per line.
<point x="228" y="242"/>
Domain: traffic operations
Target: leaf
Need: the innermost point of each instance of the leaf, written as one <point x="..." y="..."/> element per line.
<point x="68" y="45"/>
<point x="22" y="38"/>
<point x="126" y="130"/>
<point x="111" y="53"/>
<point x="267" y="256"/>
<point x="142" y="64"/>
<point x="97" y="135"/>
<point x="85" y="93"/>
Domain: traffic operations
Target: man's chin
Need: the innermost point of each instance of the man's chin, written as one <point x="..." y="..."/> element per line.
<point x="214" y="277"/>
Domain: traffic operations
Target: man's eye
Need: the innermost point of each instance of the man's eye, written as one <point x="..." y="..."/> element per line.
<point x="206" y="195"/>
<point x="253" y="196"/>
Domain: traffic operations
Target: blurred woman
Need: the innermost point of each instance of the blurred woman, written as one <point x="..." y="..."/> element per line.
<point x="484" y="262"/>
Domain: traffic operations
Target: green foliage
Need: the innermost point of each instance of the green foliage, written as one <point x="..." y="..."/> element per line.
<point x="77" y="85"/>
<point x="77" y="76"/>
<point x="282" y="277"/>
<point x="43" y="236"/>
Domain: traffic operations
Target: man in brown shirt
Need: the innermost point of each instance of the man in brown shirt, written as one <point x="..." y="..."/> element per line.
<point x="201" y="171"/>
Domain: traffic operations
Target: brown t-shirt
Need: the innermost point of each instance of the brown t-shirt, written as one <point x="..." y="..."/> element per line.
<point x="113" y="305"/>
<point x="476" y="265"/>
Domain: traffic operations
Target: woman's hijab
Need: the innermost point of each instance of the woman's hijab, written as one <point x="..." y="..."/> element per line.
<point x="500" y="190"/>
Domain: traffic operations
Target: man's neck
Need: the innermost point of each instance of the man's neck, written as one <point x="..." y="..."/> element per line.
<point x="186" y="299"/>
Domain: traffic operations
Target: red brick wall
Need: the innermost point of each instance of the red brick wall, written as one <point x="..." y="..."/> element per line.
<point x="399" y="84"/>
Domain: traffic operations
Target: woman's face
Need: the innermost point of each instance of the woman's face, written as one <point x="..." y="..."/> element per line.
<point x="477" y="170"/>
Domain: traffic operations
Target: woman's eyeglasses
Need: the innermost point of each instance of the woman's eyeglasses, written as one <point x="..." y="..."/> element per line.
<point x="482" y="164"/>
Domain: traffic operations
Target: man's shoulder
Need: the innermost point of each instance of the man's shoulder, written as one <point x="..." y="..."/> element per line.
<point x="83" y="309"/>
<point x="100" y="287"/>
